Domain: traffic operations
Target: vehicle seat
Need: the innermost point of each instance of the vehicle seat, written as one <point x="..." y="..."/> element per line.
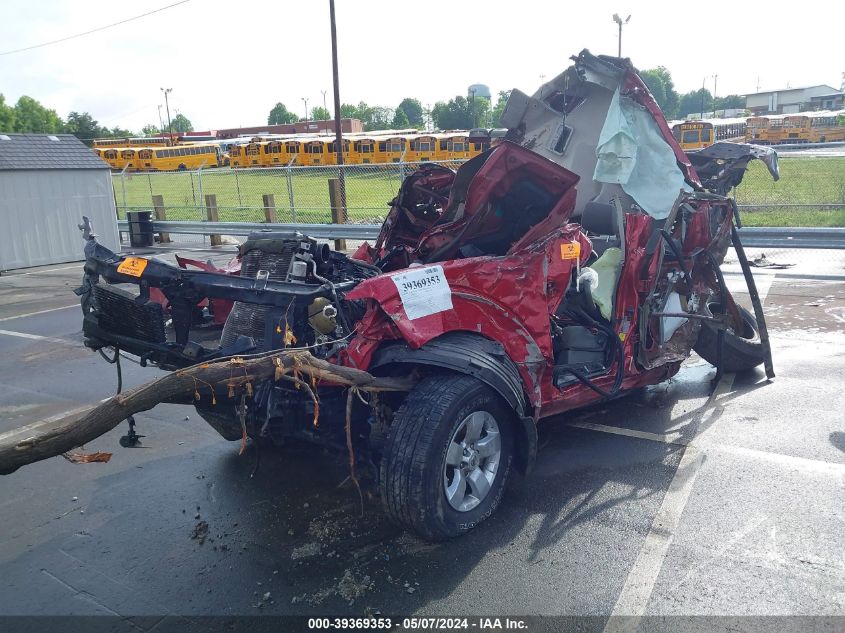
<point x="603" y="223"/>
<point x="607" y="267"/>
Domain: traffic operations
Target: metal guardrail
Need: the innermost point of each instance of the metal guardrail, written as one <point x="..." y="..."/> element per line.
<point x="754" y="237"/>
<point x="793" y="237"/>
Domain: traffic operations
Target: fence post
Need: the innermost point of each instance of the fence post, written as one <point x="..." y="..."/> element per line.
<point x="161" y="215"/>
<point x="213" y="216"/>
<point x="290" y="192"/>
<point x="338" y="210"/>
<point x="123" y="186"/>
<point x="199" y="182"/>
<point x="269" y="208"/>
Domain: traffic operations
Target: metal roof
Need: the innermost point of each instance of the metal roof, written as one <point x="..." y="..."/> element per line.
<point x="46" y="151"/>
<point x="768" y="92"/>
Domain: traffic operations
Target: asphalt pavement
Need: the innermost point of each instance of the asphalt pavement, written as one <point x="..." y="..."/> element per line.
<point x="663" y="503"/>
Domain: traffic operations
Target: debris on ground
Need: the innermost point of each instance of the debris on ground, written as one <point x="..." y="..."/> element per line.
<point x="87" y="458"/>
<point x="200" y="532"/>
<point x="305" y="551"/>
<point x="761" y="261"/>
<point x="350" y="587"/>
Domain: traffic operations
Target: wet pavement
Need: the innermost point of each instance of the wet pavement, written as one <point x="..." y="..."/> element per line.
<point x="659" y="503"/>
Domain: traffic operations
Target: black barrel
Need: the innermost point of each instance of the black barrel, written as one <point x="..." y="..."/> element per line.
<point x="140" y="228"/>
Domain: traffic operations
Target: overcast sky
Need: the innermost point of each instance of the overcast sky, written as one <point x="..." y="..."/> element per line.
<point x="229" y="62"/>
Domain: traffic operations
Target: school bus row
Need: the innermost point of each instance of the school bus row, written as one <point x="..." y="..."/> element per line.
<point x="773" y="129"/>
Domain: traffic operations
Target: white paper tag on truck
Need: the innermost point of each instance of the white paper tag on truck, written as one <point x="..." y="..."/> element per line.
<point x="424" y="291"/>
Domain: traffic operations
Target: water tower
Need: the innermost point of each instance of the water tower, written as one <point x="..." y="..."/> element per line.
<point x="478" y="90"/>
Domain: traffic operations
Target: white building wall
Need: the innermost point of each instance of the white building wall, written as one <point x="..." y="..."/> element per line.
<point x="40" y="211"/>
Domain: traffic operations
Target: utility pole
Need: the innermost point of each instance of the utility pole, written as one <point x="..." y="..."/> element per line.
<point x="619" y="21"/>
<point x="715" y="79"/>
<point x="338" y="132"/>
<point x="167" y="107"/>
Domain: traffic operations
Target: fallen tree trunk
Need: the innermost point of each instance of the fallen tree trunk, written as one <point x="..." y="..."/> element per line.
<point x="55" y="436"/>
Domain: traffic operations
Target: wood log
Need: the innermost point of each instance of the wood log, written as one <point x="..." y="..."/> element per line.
<point x="57" y="435"/>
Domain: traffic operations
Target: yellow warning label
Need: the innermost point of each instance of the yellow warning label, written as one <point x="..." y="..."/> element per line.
<point x="132" y="266"/>
<point x="570" y="250"/>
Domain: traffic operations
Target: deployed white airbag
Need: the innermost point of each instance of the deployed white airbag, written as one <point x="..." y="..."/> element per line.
<point x="632" y="153"/>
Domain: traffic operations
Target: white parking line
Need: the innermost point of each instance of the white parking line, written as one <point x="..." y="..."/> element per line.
<point x="639" y="584"/>
<point x="49" y="270"/>
<point x="29" y="314"/>
<point x="38" y="337"/>
<point x="667" y="438"/>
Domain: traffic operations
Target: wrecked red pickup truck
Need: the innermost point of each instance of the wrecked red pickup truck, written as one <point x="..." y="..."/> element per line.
<point x="575" y="261"/>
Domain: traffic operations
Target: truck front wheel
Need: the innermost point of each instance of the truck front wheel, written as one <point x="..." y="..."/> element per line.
<point x="447" y="456"/>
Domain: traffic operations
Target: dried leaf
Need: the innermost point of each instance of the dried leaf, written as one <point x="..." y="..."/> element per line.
<point x="86" y="458"/>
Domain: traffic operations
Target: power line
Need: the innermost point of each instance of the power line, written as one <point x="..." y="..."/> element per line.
<point x="100" y="28"/>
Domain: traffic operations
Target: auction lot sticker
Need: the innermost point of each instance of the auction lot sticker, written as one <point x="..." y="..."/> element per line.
<point x="423" y="291"/>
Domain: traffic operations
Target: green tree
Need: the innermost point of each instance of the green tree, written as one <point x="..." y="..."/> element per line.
<point x="31" y="116"/>
<point x="413" y="112"/>
<point x="661" y="86"/>
<point x="150" y="130"/>
<point x="400" y="120"/>
<point x="730" y="101"/>
<point x="457" y="114"/>
<point x="83" y="126"/>
<point x="499" y="108"/>
<point x="118" y="132"/>
<point x="7" y="116"/>
<point x="380" y="118"/>
<point x="319" y="114"/>
<point x="349" y="111"/>
<point x="480" y="110"/>
<point x="696" y="101"/>
<point x="181" y="124"/>
<point x="280" y="114"/>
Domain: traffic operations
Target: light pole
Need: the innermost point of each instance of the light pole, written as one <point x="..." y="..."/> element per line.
<point x="325" y="109"/>
<point x="167" y="107"/>
<point x="619" y="21"/>
<point x="305" y="101"/>
<point x="160" y="121"/>
<point x="715" y="79"/>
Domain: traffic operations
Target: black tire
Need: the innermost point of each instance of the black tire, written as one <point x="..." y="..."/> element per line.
<point x="742" y="350"/>
<point x="413" y="467"/>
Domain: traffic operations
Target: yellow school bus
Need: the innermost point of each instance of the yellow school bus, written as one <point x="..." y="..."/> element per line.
<point x="454" y="147"/>
<point x="112" y="156"/>
<point x="145" y="157"/>
<point x="273" y="154"/>
<point x="145" y="141"/>
<point x="363" y="151"/>
<point x="314" y="152"/>
<point x="391" y="149"/>
<point x="186" y="157"/>
<point x="423" y="148"/>
<point x="237" y="155"/>
<point x="349" y="158"/>
<point x="827" y="126"/>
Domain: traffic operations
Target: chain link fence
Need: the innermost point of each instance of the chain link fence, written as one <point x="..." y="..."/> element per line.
<point x="288" y="194"/>
<point x="810" y="192"/>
